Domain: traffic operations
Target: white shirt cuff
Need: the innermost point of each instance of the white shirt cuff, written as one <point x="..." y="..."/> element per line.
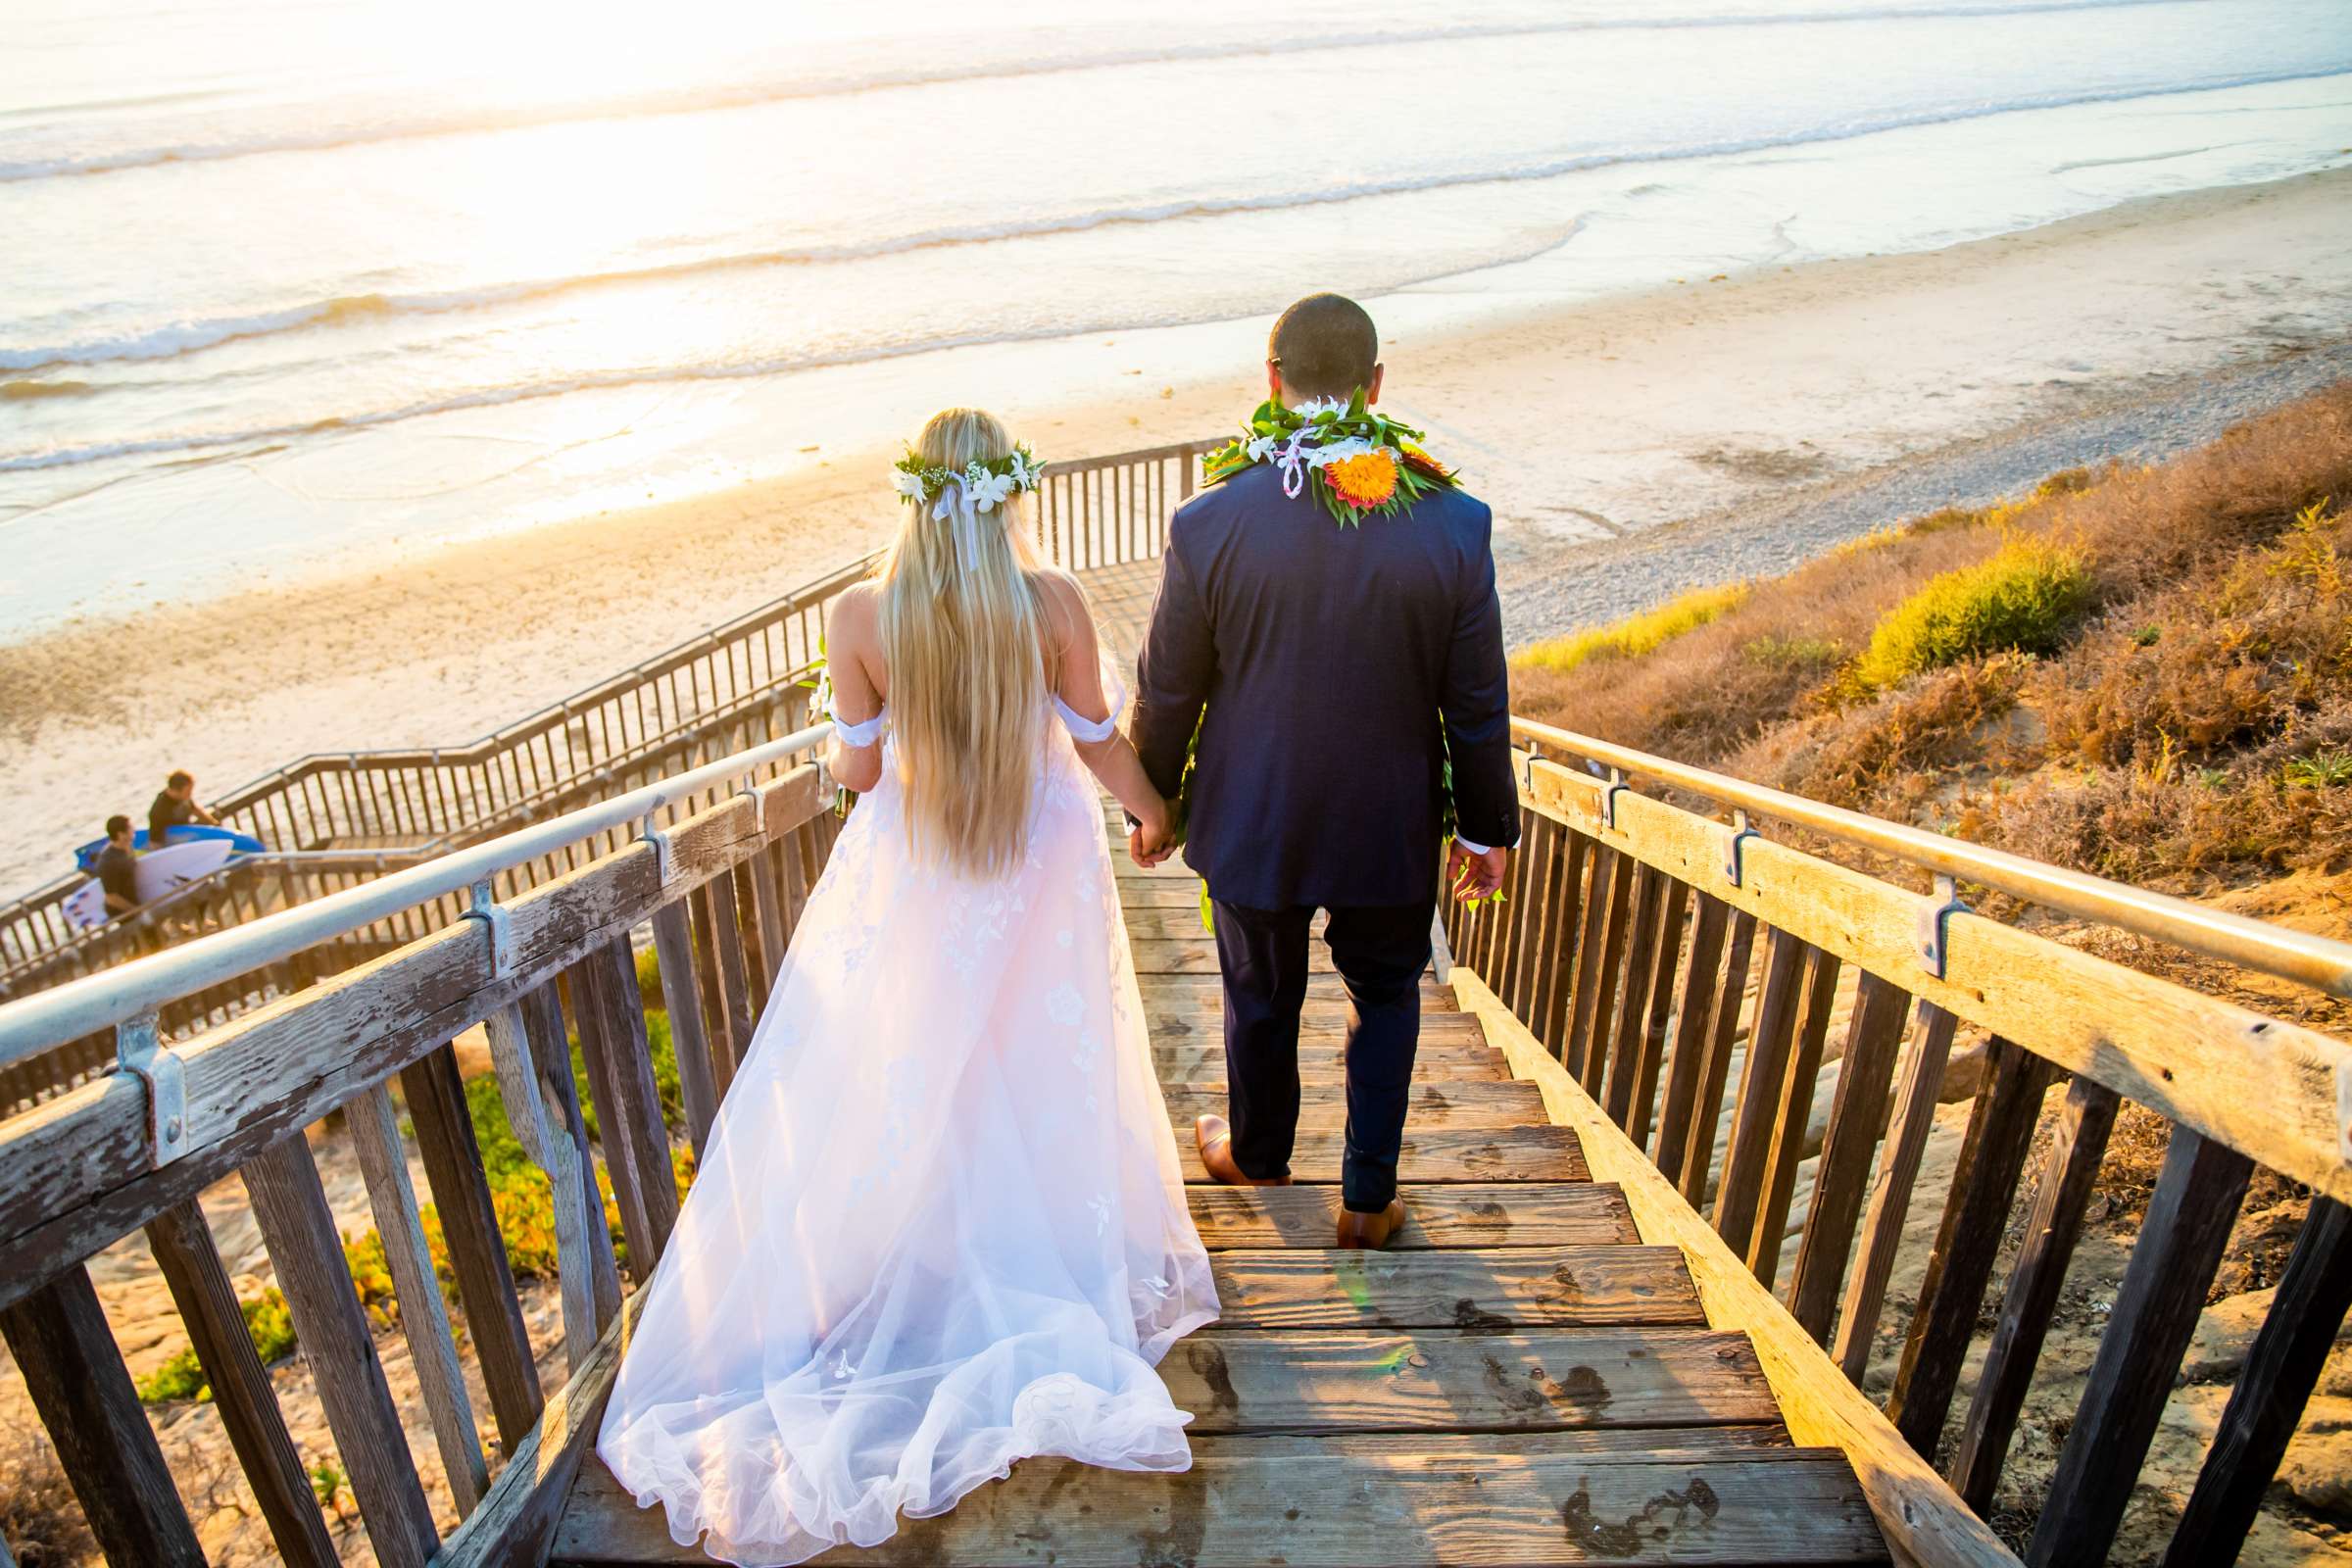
<point x="1472" y="845"/>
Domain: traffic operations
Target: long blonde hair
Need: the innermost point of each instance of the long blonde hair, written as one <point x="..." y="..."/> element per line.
<point x="962" y="633"/>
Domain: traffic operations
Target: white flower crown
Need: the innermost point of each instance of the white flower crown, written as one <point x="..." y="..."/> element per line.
<point x="981" y="485"/>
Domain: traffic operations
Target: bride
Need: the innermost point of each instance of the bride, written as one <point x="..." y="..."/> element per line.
<point x="940" y="1225"/>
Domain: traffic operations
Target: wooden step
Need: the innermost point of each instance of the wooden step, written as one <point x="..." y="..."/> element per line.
<point x="1459" y="1214"/>
<point x="1197" y="955"/>
<point x="1252" y="1381"/>
<point x="1472" y="1104"/>
<point x="1326" y="996"/>
<point x="1767" y="1438"/>
<point x="1433" y="1156"/>
<point x="1484" y="1290"/>
<point x="1204" y="1061"/>
<point x="1394" y="1510"/>
<point x="1186" y="1018"/>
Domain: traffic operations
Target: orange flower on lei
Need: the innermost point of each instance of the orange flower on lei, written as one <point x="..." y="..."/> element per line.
<point x="1363" y="481"/>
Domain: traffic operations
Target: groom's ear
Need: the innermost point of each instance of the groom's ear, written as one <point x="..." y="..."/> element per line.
<point x="1372" y="387"/>
<point x="1274" y="380"/>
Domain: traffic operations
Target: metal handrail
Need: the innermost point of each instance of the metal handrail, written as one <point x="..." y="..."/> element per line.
<point x="144" y="985"/>
<point x="2317" y="961"/>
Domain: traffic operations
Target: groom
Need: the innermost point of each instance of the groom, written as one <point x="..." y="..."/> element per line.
<point x="1332" y="673"/>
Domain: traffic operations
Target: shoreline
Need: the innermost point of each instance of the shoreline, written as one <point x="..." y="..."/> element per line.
<point x="1832" y="392"/>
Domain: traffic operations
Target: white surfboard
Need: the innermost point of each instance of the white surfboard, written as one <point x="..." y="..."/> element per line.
<point x="155" y="873"/>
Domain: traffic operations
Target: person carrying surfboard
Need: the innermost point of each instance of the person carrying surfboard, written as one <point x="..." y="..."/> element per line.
<point x="117" y="867"/>
<point x="175" y="806"/>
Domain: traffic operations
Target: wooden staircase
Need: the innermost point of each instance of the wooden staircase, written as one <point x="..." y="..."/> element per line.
<point x="1519" y="1380"/>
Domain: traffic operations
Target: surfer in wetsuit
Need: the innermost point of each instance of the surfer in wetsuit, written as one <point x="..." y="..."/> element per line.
<point x="115" y="864"/>
<point x="174" y="807"/>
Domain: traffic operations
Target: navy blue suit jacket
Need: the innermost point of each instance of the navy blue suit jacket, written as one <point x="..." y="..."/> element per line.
<point x="1327" y="659"/>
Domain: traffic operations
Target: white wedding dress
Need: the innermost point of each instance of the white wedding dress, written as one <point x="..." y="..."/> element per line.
<point x="940" y="1225"/>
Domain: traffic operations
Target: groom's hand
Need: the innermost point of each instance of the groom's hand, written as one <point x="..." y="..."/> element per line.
<point x="1146" y="848"/>
<point x="1475" y="876"/>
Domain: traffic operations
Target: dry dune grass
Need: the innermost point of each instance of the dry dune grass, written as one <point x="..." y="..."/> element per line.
<point x="2194" y="722"/>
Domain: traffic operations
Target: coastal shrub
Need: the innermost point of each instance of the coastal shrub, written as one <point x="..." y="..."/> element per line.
<point x="2024" y="599"/>
<point x="665" y="1075"/>
<point x="1640" y="633"/>
<point x="40" y="1519"/>
<point x="649" y="978"/>
<point x="181" y="1377"/>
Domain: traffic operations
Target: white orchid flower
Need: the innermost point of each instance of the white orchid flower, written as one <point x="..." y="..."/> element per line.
<point x="988" y="490"/>
<point x="911" y="486"/>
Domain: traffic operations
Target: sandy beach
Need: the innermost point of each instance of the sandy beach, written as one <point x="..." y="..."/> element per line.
<point x="1714" y="428"/>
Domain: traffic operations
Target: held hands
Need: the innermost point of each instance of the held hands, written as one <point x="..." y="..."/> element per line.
<point x="1150" y="836"/>
<point x="1474" y="878"/>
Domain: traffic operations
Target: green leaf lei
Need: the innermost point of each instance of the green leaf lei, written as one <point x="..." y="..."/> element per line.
<point x="1357" y="463"/>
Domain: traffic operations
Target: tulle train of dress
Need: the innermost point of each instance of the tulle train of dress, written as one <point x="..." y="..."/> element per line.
<point x="940" y="1225"/>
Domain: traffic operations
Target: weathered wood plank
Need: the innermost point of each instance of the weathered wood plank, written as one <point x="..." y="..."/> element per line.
<point x="1201" y="1062"/>
<point x="1984" y="1181"/>
<point x="1470" y="1102"/>
<point x="1466" y="1215"/>
<point x="79" y="1173"/>
<point x="2262" y="1084"/>
<point x="1195" y="1021"/>
<point x="1560" y="984"/>
<point x="453" y="1167"/>
<point x="524" y="1088"/>
<point x="1857" y="1116"/>
<point x="1708" y="921"/>
<point x="734" y="976"/>
<point x="629" y="1121"/>
<point x="1715" y="1066"/>
<point x="1906" y="1145"/>
<point x="2055" y="1221"/>
<point x="1347" y="1511"/>
<point x="1650" y="1062"/>
<point x="307" y="1253"/>
<point x="1633" y="1013"/>
<point x="1316" y="1382"/>
<point x="2307" y="1311"/>
<point x="2198" y="1190"/>
<point x="551" y="1049"/>
<point x="1483" y="1292"/>
<point x="1607" y="913"/>
<point x="698" y="1080"/>
<point x="74" y="1374"/>
<point x="515" y="1522"/>
<point x="191" y="1266"/>
<point x="1792" y="1114"/>
<point x="1922" y="1518"/>
<point x="1433" y="1156"/>
<point x="374" y="1128"/>
<point x="1738" y="1194"/>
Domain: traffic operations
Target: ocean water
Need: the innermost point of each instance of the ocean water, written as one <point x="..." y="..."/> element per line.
<point x="282" y="281"/>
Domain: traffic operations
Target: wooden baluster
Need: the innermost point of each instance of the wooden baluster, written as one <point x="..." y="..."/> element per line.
<point x="523" y="1084"/>
<point x="2189" y="1216"/>
<point x="702" y="923"/>
<point x="775" y="923"/>
<point x="374" y="1128"/>
<point x="1992" y="1156"/>
<point x="2306" y="1313"/>
<point x="1548" y="976"/>
<point x="698" y="1081"/>
<point x="453" y="1167"/>
<point x="59" y="1339"/>
<point x="1738" y="1192"/>
<point x="792" y="878"/>
<point x="1520" y="914"/>
<point x="754" y="940"/>
<point x="628" y="1107"/>
<point x="1793" y="1116"/>
<point x="1857" y="1115"/>
<point x="1606" y="910"/>
<point x="550" y="1051"/>
<point x="1723" y="1030"/>
<point x="191" y="1266"/>
<point x="733" y="976"/>
<point x="1707" y="925"/>
<point x="299" y="1228"/>
<point x="2031" y="1292"/>
<point x="1650" y="1057"/>
<point x="1914" y="1101"/>
<point x="1641" y="952"/>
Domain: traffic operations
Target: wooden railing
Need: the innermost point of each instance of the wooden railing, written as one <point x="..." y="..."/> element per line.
<point x="341" y="818"/>
<point x="1650" y="951"/>
<point x="718" y="896"/>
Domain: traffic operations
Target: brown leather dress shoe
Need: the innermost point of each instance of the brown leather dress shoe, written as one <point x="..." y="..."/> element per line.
<point x="1358" y="1231"/>
<point x="1216" y="1139"/>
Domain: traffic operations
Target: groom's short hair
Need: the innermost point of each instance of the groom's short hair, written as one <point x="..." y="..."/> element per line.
<point x="1324" y="346"/>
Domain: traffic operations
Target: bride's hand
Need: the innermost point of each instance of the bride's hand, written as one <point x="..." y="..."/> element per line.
<point x="1148" y="841"/>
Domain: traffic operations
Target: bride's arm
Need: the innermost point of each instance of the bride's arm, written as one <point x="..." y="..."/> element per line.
<point x="853" y="650"/>
<point x="1078" y="682"/>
